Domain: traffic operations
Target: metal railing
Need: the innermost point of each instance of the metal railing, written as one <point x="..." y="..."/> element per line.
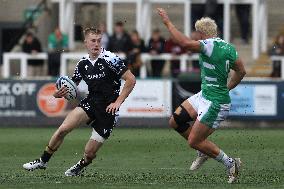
<point x="23" y="57"/>
<point x="67" y="56"/>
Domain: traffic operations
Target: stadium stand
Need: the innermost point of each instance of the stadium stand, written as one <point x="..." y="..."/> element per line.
<point x="50" y="17"/>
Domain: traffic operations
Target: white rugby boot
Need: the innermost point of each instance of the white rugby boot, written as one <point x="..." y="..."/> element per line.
<point x="76" y="169"/>
<point x="200" y="160"/>
<point x="234" y="170"/>
<point x="36" y="164"/>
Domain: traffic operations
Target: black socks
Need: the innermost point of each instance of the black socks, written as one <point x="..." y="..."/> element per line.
<point x="45" y="156"/>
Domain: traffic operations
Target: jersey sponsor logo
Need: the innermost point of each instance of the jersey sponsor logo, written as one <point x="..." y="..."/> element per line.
<point x="212" y="85"/>
<point x="210" y="78"/>
<point x="47" y="104"/>
<point x="209" y="66"/>
<point x="96" y="76"/>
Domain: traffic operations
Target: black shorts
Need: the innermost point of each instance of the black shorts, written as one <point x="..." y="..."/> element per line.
<point x="101" y="121"/>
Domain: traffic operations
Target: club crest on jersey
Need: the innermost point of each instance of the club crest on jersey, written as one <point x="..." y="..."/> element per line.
<point x="101" y="67"/>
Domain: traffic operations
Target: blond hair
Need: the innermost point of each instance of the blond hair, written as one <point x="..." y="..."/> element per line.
<point x="207" y="26"/>
<point x="91" y="30"/>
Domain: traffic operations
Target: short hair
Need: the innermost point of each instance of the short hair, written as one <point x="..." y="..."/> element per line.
<point x="91" y="30"/>
<point x="29" y="34"/>
<point x="135" y="32"/>
<point x="119" y="23"/>
<point x="206" y="26"/>
<point x="156" y="30"/>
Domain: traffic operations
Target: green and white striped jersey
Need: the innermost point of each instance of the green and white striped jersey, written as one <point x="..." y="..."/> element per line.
<point x="216" y="59"/>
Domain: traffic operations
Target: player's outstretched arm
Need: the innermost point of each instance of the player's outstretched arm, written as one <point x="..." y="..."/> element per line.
<point x="130" y="82"/>
<point x="238" y="75"/>
<point x="183" y="40"/>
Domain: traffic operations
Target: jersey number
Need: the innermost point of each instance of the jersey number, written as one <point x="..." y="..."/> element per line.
<point x="227" y="66"/>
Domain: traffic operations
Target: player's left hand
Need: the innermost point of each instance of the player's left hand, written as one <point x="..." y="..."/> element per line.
<point x="164" y="15"/>
<point x="113" y="107"/>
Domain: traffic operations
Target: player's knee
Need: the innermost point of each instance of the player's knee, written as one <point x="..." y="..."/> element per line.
<point x="180" y="122"/>
<point x="191" y="142"/>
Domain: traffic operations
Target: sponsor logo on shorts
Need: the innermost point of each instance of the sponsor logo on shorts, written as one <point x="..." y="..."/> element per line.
<point x="105" y="131"/>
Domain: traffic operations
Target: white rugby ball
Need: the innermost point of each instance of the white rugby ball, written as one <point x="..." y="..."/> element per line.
<point x="69" y="84"/>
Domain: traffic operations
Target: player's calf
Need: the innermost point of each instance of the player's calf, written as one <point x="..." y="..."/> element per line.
<point x="91" y="149"/>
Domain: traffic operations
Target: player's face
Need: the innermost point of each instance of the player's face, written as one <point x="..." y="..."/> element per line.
<point x="196" y="35"/>
<point x="93" y="43"/>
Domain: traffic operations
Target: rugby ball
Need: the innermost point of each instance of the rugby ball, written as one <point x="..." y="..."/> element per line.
<point x="69" y="84"/>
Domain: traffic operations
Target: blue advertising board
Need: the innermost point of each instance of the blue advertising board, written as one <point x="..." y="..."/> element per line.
<point x="242" y="100"/>
<point x="257" y="100"/>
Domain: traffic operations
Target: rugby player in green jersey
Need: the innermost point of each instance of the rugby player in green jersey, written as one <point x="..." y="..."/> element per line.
<point x="212" y="104"/>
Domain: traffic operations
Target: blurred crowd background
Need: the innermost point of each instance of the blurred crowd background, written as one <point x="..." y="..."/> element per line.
<point x="32" y="26"/>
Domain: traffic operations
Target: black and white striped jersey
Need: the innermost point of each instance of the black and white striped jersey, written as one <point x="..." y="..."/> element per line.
<point x="101" y="75"/>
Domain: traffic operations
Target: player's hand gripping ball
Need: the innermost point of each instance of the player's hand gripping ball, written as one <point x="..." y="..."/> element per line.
<point x="69" y="84"/>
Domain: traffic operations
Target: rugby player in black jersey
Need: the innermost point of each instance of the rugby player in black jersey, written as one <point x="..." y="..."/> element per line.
<point x="102" y="71"/>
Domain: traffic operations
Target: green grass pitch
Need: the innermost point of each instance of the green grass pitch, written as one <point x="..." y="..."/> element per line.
<point x="141" y="158"/>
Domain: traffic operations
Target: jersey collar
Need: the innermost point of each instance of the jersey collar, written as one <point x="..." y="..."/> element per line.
<point x="101" y="55"/>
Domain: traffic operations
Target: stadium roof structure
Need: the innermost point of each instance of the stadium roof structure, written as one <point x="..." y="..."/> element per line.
<point x="144" y="17"/>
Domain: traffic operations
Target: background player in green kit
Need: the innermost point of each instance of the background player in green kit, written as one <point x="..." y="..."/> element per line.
<point x="212" y="104"/>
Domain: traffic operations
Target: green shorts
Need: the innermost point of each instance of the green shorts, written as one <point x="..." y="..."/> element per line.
<point x="208" y="112"/>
